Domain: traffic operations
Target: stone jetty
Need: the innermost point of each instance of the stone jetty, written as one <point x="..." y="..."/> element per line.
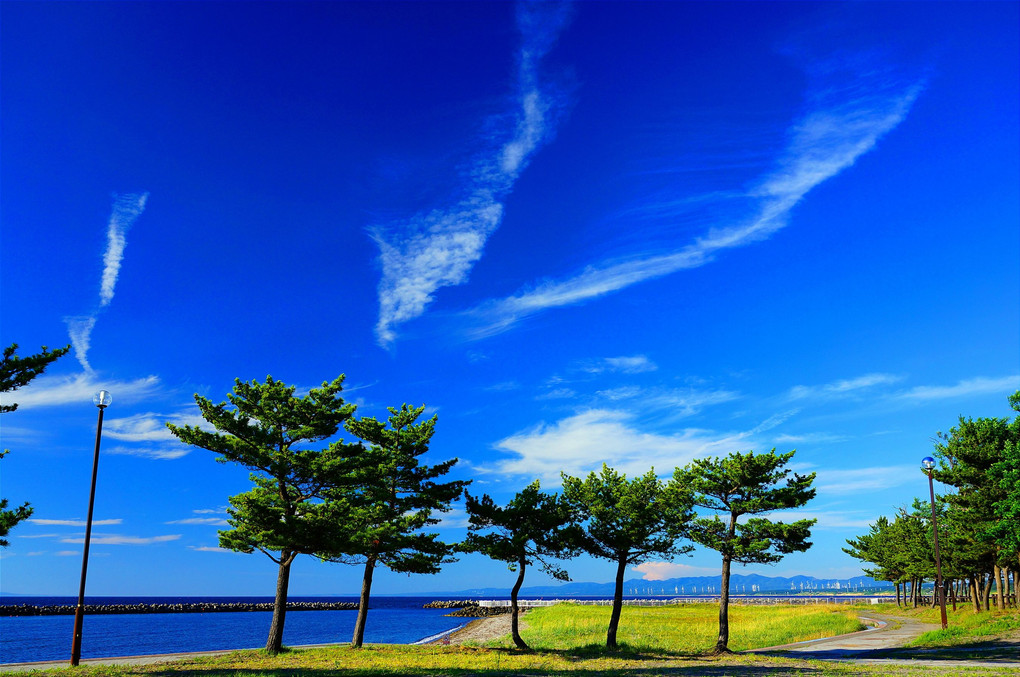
<point x="184" y="607"/>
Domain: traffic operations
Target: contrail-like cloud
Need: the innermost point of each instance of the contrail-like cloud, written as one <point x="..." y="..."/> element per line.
<point x="439" y="248"/>
<point x="126" y="210"/>
<point x="843" y="125"/>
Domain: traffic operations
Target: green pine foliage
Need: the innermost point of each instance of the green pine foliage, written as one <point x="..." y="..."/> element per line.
<point x="736" y="486"/>
<point x="393" y="497"/>
<point x="15" y="372"/>
<point x="627" y="522"/>
<point x="266" y="428"/>
<point x="533" y="527"/>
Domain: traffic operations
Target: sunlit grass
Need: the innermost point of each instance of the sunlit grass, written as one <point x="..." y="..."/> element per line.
<point x="965" y="625"/>
<point x="688" y="629"/>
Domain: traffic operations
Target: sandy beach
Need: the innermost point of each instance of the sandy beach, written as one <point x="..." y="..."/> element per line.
<point x="480" y="630"/>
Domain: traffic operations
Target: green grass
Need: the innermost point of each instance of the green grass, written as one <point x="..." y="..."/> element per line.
<point x="658" y="641"/>
<point x="687" y="629"/>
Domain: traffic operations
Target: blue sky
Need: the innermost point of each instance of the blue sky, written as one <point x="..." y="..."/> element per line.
<point x="632" y="233"/>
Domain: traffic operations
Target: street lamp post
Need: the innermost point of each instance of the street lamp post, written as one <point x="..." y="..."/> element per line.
<point x="929" y="466"/>
<point x="102" y="399"/>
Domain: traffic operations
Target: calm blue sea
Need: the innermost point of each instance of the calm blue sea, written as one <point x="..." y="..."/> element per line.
<point x="397" y="620"/>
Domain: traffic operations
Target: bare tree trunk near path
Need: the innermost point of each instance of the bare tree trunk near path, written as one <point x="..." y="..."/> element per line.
<point x="274" y="643"/>
<point x="515" y="610"/>
<point x="614" y="618"/>
<point x="987" y="596"/>
<point x="366" y="590"/>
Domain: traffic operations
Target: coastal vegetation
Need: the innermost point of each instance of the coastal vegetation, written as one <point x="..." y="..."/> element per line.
<point x="15" y="372"/>
<point x="739" y="485"/>
<point x="627" y="522"/>
<point x="686" y="629"/>
<point x="532" y="528"/>
<point x="653" y="641"/>
<point x="978" y="522"/>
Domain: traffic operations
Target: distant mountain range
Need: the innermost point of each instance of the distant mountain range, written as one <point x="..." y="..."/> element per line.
<point x="696" y="585"/>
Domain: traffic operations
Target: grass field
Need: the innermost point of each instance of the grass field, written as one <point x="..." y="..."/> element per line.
<point x="657" y="641"/>
<point x="688" y="629"/>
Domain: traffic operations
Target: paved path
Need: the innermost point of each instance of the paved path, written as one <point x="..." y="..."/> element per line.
<point x="891" y="632"/>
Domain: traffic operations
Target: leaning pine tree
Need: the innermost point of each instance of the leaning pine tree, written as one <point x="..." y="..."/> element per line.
<point x="533" y="527"/>
<point x="264" y="427"/>
<point x="393" y="498"/>
<point x="746" y="484"/>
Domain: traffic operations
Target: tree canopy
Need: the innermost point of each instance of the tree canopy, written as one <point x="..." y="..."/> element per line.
<point x="628" y="521"/>
<point x="532" y="527"/>
<point x="15" y="372"/>
<point x="739" y="485"/>
<point x="393" y="497"/>
<point x="264" y="427"/>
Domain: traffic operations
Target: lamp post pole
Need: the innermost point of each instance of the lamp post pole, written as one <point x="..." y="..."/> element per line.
<point x="102" y="400"/>
<point x="929" y="466"/>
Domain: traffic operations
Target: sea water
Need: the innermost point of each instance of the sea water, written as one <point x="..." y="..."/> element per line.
<point x="391" y="620"/>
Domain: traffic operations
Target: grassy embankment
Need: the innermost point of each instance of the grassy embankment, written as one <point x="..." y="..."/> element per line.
<point x="657" y="641"/>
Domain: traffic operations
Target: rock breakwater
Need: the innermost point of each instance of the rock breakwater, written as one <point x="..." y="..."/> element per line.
<point x="185" y="607"/>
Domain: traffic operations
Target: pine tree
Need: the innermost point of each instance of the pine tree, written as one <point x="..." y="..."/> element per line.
<point x="627" y="522"/>
<point x="746" y="484"/>
<point x="533" y="527"/>
<point x="394" y="497"/>
<point x="265" y="427"/>
<point x="16" y="372"/>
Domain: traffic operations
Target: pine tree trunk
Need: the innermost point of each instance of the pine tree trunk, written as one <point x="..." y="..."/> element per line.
<point x="975" y="597"/>
<point x="366" y="591"/>
<point x="1000" y="599"/>
<point x="897" y="593"/>
<point x="614" y="618"/>
<point x="987" y="593"/>
<point x="515" y="610"/>
<point x="722" y="643"/>
<point x="275" y="641"/>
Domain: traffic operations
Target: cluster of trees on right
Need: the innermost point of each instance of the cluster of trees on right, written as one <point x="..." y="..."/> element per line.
<point x="978" y="522"/>
<point x="628" y="521"/>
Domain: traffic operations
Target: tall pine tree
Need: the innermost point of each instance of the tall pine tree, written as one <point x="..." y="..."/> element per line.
<point x="395" y="497"/>
<point x="627" y="522"/>
<point x="265" y="427"/>
<point x="739" y="485"/>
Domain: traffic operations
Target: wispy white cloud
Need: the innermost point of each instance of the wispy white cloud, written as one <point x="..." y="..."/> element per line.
<point x="126" y="210"/>
<point x="633" y="364"/>
<point x="74" y="523"/>
<point x="810" y="438"/>
<point x="148" y="427"/>
<point x="842" y="388"/>
<point x="861" y="480"/>
<point x="675" y="402"/>
<point x="438" y="248"/>
<point x="162" y="452"/>
<point x="118" y="539"/>
<point x="207" y="548"/>
<point x="843" y="125"/>
<point x="55" y="390"/>
<point x="581" y="443"/>
<point x="975" y="386"/>
<point x="214" y="521"/>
